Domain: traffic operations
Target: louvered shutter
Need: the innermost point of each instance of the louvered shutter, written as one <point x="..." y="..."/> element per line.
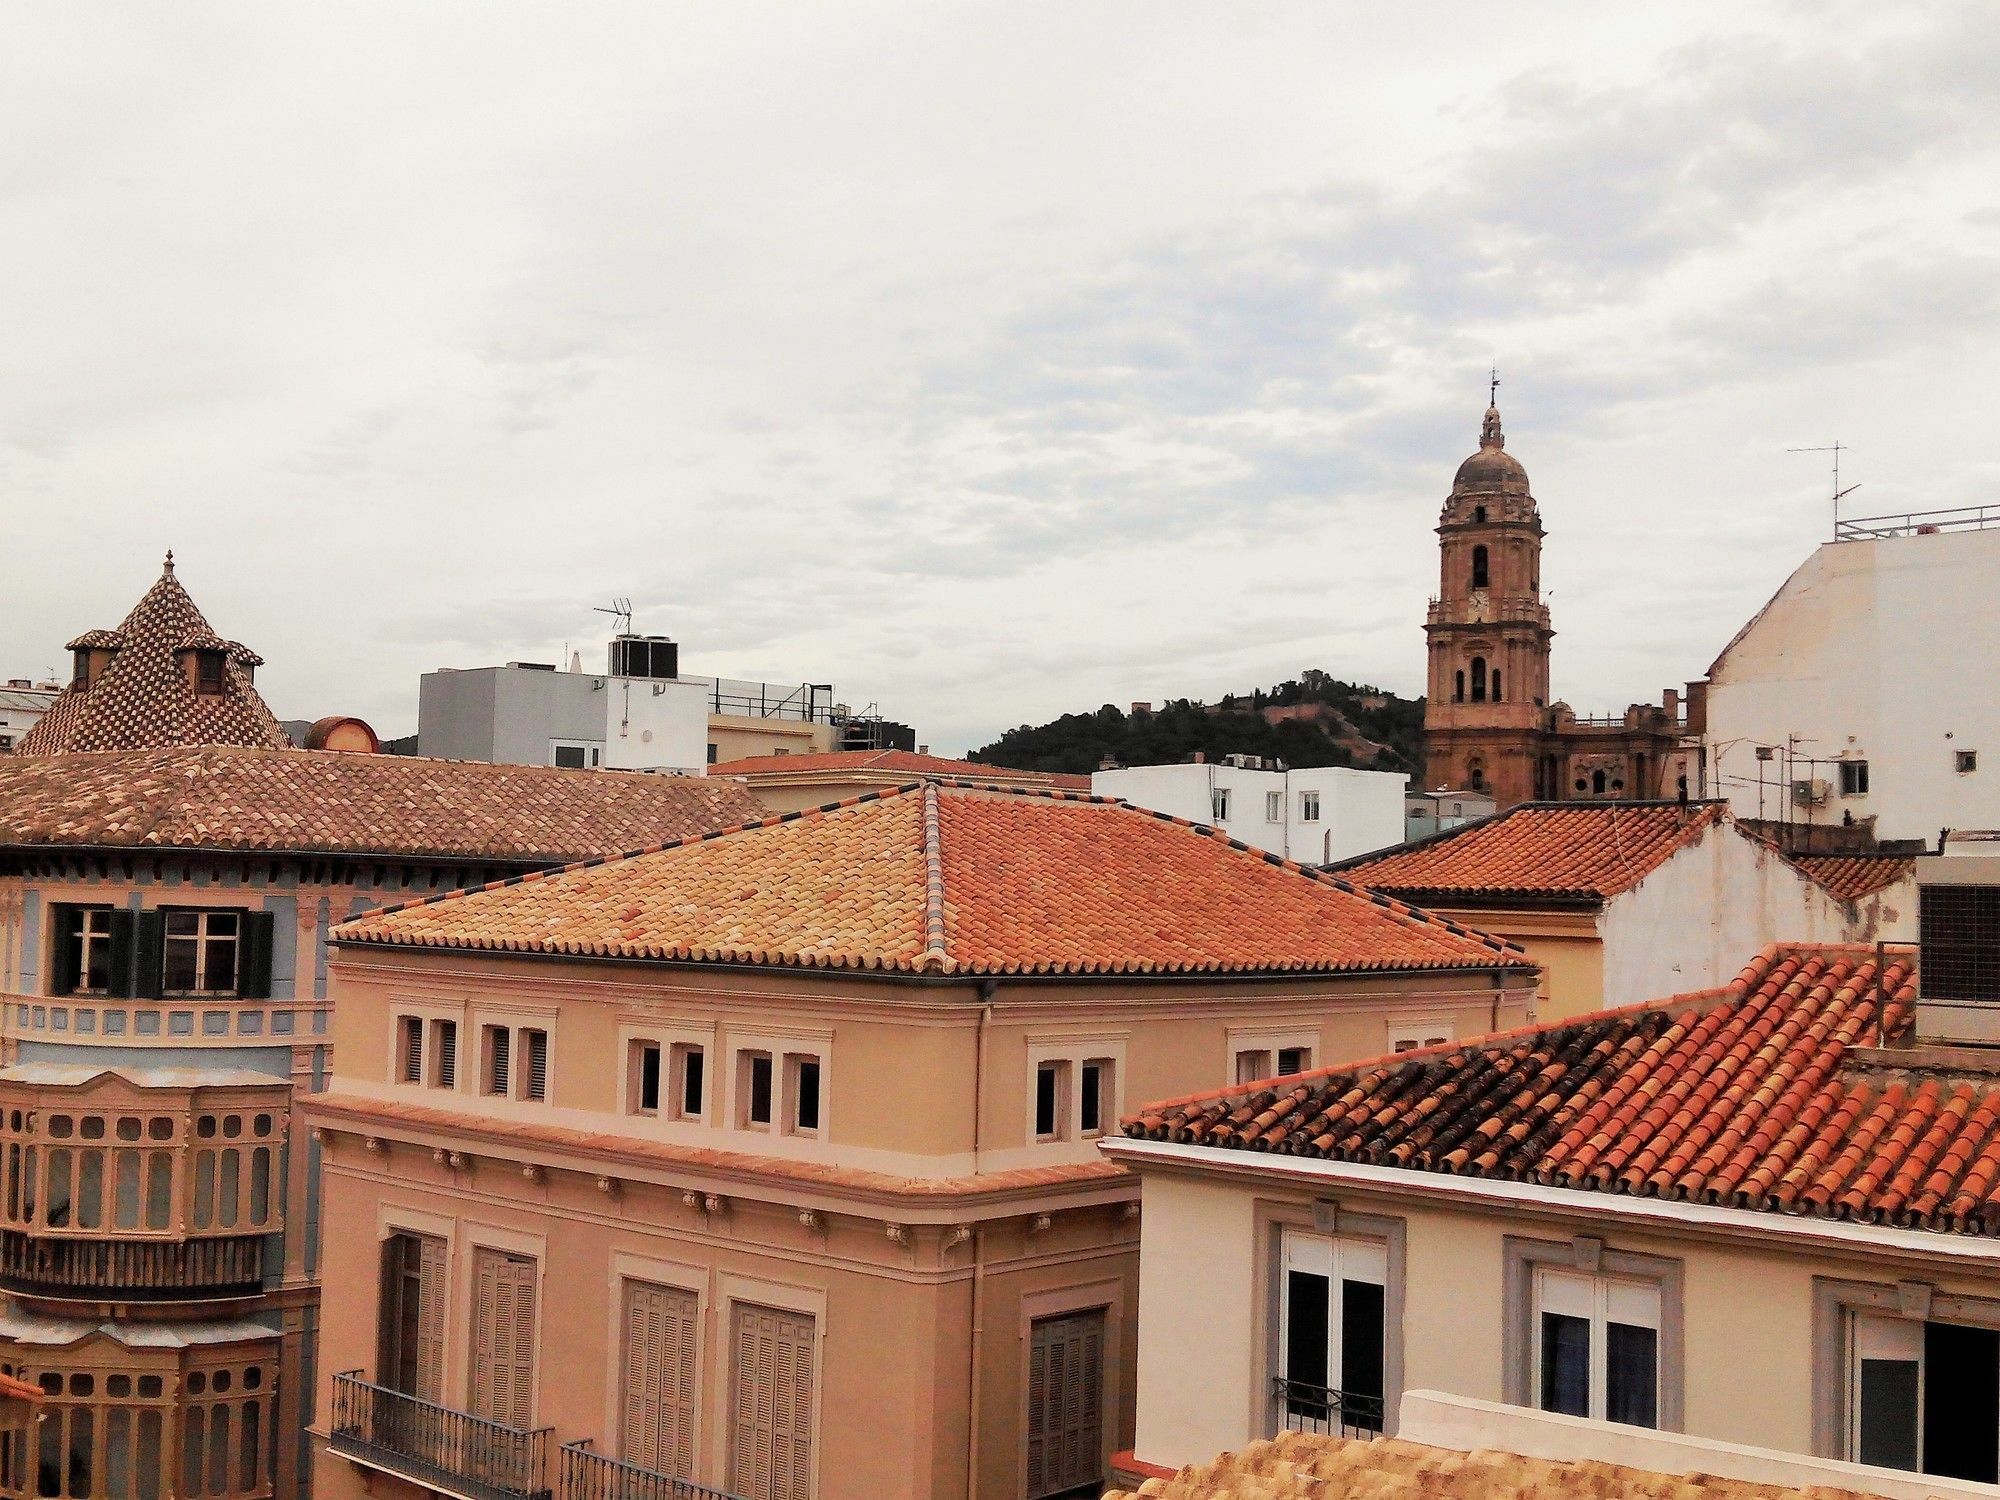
<point x="447" y="1059"/>
<point x="501" y="1040"/>
<point x="430" y="1318"/>
<point x="503" y="1342"/>
<point x="67" y="974"/>
<point x="149" y="947"/>
<point x="1065" y="1403"/>
<point x="122" y="978"/>
<point x="538" y="1063"/>
<point x="659" y="1363"/>
<point x="770" y="1455"/>
<point x="253" y="963"/>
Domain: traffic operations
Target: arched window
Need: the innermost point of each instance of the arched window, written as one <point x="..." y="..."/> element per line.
<point x="1479" y="569"/>
<point x="1458" y="687"/>
<point x="1479" y="513"/>
<point x="1496" y="686"/>
<point x="1478" y="679"/>
<point x="1597" y="782"/>
<point x="1477" y="778"/>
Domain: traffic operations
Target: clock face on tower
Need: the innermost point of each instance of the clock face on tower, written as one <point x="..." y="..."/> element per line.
<point x="1476" y="606"/>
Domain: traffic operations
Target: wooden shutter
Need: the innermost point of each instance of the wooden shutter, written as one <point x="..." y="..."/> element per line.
<point x="1065" y="1403"/>
<point x="253" y="956"/>
<point x="412" y="1313"/>
<point x="411" y="1048"/>
<point x="503" y="1338"/>
<point x="120" y="978"/>
<point x="430" y="1318"/>
<point x="447" y="1058"/>
<point x="149" y="946"/>
<point x="538" y="1063"/>
<point x="499" y="1040"/>
<point x="771" y="1405"/>
<point x="67" y="973"/>
<point x="659" y="1357"/>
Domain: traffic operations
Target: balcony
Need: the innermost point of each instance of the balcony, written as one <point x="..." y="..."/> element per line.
<point x="588" y="1475"/>
<point x="450" y="1451"/>
<point x="132" y="1270"/>
<point x="1305" y="1407"/>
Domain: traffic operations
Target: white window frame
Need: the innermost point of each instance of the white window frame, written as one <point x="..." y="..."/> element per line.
<point x="1337" y="1258"/>
<point x="1411" y="1033"/>
<point x="1309" y="806"/>
<point x="674" y="1039"/>
<point x="1274" y="807"/>
<point x="786" y="1049"/>
<point x="592" y="751"/>
<point x="1269" y="1041"/>
<point x="1598" y="1301"/>
<point x="1587" y="1255"/>
<point x="1069" y="1054"/>
<point x="1218" y="804"/>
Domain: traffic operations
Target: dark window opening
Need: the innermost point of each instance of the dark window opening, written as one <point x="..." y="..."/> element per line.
<point x="692" y="1063"/>
<point x="1293" y="1060"/>
<point x="569" y="757"/>
<point x="1048" y="1096"/>
<point x="208" y="670"/>
<point x="1565" y="1364"/>
<point x="1958" y="930"/>
<point x="806" y="1109"/>
<point x="1458" y="687"/>
<point x="80" y="672"/>
<point x="1478" y="679"/>
<point x="1498" y="696"/>
<point x="760" y="1088"/>
<point x="646" y="1093"/>
<point x="1854" y="778"/>
<point x="1479" y="568"/>
<point x="1597" y="782"/>
<point x="1090" y="1098"/>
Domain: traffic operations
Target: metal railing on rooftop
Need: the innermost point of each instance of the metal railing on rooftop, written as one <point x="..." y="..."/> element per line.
<point x="1305" y="1407"/>
<point x="438" y="1446"/>
<point x="1917" y="523"/>
<point x="590" y="1475"/>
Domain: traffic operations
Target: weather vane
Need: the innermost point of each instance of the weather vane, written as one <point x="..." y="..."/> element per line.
<point x="1493" y="386"/>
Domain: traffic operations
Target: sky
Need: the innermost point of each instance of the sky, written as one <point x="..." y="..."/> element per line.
<point x="991" y="361"/>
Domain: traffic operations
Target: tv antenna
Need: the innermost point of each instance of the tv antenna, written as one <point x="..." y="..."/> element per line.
<point x="1836" y="448"/>
<point x="619" y="610"/>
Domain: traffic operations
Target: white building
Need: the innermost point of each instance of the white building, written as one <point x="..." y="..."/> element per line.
<point x="1426" y="813"/>
<point x="22" y="704"/>
<point x="1859" y="691"/>
<point x="1313" y="816"/>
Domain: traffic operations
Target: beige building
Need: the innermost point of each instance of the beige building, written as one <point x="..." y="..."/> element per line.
<point x="785" y="782"/>
<point x="1623" y="901"/>
<point x="1757" y="1215"/>
<point x="768" y="1160"/>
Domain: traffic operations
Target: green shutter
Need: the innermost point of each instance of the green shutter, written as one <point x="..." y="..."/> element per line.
<point x="65" y="975"/>
<point x="148" y="955"/>
<point x="253" y="961"/>
<point x="119" y="980"/>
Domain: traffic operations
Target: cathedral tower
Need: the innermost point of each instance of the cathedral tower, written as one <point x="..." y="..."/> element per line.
<point x="1488" y="632"/>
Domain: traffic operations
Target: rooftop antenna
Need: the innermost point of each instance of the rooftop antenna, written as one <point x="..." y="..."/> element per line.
<point x="1493" y="386"/>
<point x="619" y="610"/>
<point x="1836" y="448"/>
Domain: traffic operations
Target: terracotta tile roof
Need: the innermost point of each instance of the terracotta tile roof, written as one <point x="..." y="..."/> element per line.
<point x="901" y="763"/>
<point x="1748" y="1096"/>
<point x="1301" y="1466"/>
<point x="18" y="1390"/>
<point x="311" y="801"/>
<point x="143" y="697"/>
<point x="1564" y="850"/>
<point x="1853" y="876"/>
<point x="952" y="878"/>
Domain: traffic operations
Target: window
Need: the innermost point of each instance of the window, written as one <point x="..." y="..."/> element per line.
<point x="1274" y="807"/>
<point x="1479" y="568"/>
<point x="1094" y="1096"/>
<point x="410" y="1049"/>
<point x="1597" y="1347"/>
<point x="803" y="1088"/>
<point x="1498" y="696"/>
<point x="1925" y="1396"/>
<point x="1407" y="1036"/>
<point x="84" y="947"/>
<point x="688" y="1068"/>
<point x="79" y="669"/>
<point x="444" y="1052"/>
<point x="496" y="1056"/>
<point x="1051" y="1079"/>
<point x="1854" y="778"/>
<point x="755" y="1082"/>
<point x="1965" y="762"/>
<point x="535" y="1054"/>
<point x="1479" y="513"/>
<point x="771" y="1359"/>
<point x="503" y="1338"/>
<point x="1308" y="807"/>
<point x="658" y="1418"/>
<point x="1478" y="679"/>
<point x="642" y="1079"/>
<point x="1458" y="686"/>
<point x="1218" y="803"/>
<point x="1252" y="1064"/>
<point x="570" y="757"/>
<point x="200" y="955"/>
<point x="410" y="1335"/>
<point x="1294" y="1060"/>
<point x="208" y="670"/>
<point x="1332" y="1332"/>
<point x="711" y="753"/>
<point x="1597" y="782"/>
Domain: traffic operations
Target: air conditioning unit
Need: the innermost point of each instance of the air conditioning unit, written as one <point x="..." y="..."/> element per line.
<point x="1810" y="793"/>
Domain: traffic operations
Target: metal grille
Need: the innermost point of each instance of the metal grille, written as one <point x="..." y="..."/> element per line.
<point x="1959" y="928"/>
<point x="1305" y="1407"/>
<point x="592" y="1476"/>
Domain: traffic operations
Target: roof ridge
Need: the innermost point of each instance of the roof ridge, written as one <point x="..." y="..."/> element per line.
<point x="934" y="957"/>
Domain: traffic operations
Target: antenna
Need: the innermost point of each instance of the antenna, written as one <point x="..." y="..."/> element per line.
<point x="1836" y="448"/>
<point x="619" y="609"/>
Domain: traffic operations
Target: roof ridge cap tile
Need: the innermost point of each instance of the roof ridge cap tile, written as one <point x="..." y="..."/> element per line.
<point x="936" y="957"/>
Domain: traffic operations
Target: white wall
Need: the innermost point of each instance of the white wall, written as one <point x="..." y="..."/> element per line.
<point x="1694" y="922"/>
<point x="1359" y="811"/>
<point x="655" y="724"/>
<point x="1874" y="650"/>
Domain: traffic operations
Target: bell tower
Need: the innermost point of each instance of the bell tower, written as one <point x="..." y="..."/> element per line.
<point x="1488" y="632"/>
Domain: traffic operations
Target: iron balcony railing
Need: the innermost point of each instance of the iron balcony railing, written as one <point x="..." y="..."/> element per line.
<point x="445" y="1449"/>
<point x="1305" y="1407"/>
<point x="589" y="1475"/>
<point x="138" y="1270"/>
<point x="1917" y="522"/>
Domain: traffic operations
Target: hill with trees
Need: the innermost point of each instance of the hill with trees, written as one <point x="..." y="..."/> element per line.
<point x="1314" y="720"/>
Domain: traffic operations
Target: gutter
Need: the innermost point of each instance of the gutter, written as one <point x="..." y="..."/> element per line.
<point x="1792" y="1230"/>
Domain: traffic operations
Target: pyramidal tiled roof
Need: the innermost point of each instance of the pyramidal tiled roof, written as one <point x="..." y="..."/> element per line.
<point x="1750" y="1096"/>
<point x="143" y="698"/>
<point x="952" y="878"/>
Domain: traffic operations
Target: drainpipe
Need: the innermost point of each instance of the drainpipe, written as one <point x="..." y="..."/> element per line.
<point x="987" y="989"/>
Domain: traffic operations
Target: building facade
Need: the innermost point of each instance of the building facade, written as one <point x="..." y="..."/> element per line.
<point x="767" y="1161"/>
<point x="1836" y="705"/>
<point x="22" y="704"/>
<point x="1318" y="814"/>
<point x="1491" y="723"/>
<point x="1756" y="1215"/>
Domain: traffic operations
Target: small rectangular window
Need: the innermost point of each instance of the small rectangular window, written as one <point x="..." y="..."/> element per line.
<point x="444" y="1048"/>
<point x="1597" y="1347"/>
<point x="689" y="1065"/>
<point x="410" y="1049"/>
<point x="535" y="1044"/>
<point x="1274" y="807"/>
<point x="1308" y="807"/>
<point x="1854" y="778"/>
<point x="1252" y="1064"/>
<point x="642" y="1084"/>
<point x="496" y="1060"/>
<point x="1049" y="1079"/>
<point x="1218" y="803"/>
<point x="805" y="1094"/>
<point x="569" y="757"/>
<point x="711" y="752"/>
<point x="1093" y="1096"/>
<point x="1965" y="762"/>
<point x="1293" y="1060"/>
<point x="756" y="1084"/>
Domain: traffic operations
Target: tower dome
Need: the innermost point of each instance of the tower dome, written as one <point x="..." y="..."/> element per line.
<point x="1492" y="470"/>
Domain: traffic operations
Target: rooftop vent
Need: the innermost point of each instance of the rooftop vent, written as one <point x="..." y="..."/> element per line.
<point x="1958" y="955"/>
<point x="652" y="656"/>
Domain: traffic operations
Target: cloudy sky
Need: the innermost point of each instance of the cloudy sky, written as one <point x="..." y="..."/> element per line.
<point x="991" y="361"/>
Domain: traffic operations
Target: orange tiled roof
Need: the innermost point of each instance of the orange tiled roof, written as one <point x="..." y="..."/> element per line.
<point x="143" y="697"/>
<point x="1563" y="850"/>
<point x="1853" y="876"/>
<point x="315" y="801"/>
<point x="952" y="878"/>
<point x="892" y="763"/>
<point x="1747" y="1096"/>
